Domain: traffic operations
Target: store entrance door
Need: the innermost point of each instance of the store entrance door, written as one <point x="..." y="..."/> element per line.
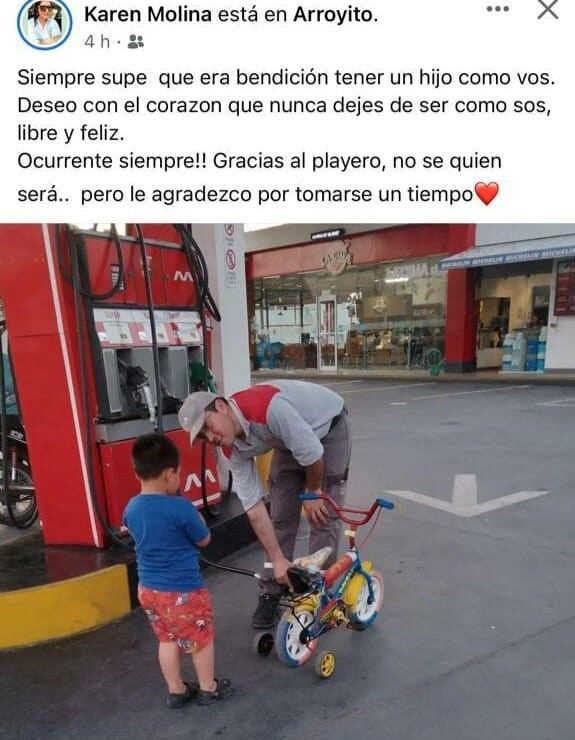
<point x="327" y="333"/>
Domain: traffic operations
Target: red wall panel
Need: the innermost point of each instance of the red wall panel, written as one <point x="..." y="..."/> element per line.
<point x="398" y="243"/>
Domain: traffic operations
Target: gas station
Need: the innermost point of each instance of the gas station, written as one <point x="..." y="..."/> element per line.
<point x="105" y="335"/>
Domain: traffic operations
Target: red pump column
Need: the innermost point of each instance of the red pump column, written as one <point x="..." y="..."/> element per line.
<point x="42" y="335"/>
<point x="461" y="320"/>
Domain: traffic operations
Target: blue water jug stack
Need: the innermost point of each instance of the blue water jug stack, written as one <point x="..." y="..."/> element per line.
<point x="531" y="356"/>
<point x="507" y="352"/>
<point x="541" y="349"/>
<point x="518" y="353"/>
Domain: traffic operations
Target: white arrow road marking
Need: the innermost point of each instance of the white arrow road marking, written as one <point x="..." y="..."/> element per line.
<point x="464" y="498"/>
<point x="464" y="492"/>
<point x="499" y="503"/>
<point x="421" y="498"/>
<point x="559" y="402"/>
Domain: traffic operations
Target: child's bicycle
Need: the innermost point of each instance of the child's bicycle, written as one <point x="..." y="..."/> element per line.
<point x="348" y="593"/>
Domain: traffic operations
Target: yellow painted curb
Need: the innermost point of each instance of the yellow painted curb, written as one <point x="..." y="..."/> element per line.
<point x="64" y="608"/>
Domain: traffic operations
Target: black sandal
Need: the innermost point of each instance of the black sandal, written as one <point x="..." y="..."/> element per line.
<point x="223" y="690"/>
<point x="175" y="701"/>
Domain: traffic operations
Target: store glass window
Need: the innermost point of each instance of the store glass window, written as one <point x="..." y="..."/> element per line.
<point x="389" y="314"/>
<point x="284" y="323"/>
<point x="397" y="314"/>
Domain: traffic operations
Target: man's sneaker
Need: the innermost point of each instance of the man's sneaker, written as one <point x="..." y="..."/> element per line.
<point x="266" y="613"/>
<point x="175" y="701"/>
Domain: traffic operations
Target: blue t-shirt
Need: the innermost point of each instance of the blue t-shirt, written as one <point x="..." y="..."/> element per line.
<point x="165" y="531"/>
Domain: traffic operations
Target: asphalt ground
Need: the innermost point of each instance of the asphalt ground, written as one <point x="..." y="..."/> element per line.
<point x="476" y="640"/>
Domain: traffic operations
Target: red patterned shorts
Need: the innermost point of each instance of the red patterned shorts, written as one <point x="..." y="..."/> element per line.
<point x="185" y="618"/>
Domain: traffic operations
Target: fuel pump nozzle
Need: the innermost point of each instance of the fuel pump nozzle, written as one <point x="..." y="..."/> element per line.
<point x="147" y="391"/>
<point x="137" y="384"/>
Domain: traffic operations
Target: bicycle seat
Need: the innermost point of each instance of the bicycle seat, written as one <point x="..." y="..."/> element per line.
<point x="314" y="561"/>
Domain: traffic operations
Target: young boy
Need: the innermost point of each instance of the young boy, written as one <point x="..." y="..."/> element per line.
<point x="167" y="531"/>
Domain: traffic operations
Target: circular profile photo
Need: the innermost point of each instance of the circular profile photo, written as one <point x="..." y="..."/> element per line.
<point x="44" y="24"/>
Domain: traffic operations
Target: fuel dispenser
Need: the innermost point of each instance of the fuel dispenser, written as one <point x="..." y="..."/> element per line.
<point x="118" y="326"/>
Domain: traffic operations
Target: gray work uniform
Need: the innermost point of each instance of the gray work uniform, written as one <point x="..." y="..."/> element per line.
<point x="301" y="422"/>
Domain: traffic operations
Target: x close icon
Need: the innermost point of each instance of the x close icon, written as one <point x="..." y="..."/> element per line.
<point x="548" y="9"/>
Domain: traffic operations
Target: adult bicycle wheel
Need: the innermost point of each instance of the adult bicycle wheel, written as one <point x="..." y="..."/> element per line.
<point x="22" y="498"/>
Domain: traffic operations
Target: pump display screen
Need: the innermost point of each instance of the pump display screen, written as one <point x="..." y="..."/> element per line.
<point x="132" y="328"/>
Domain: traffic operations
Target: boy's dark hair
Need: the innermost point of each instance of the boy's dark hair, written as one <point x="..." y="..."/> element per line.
<point x="152" y="454"/>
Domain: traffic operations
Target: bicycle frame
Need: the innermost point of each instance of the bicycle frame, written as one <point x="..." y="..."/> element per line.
<point x="329" y="612"/>
<point x="330" y="600"/>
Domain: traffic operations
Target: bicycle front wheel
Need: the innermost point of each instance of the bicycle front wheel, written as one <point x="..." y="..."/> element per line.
<point x="364" y="611"/>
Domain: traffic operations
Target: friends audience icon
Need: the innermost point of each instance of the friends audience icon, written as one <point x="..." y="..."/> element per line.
<point x="136" y="42"/>
<point x="44" y="24"/>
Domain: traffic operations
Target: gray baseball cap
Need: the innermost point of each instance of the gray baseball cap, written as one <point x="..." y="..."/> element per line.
<point x="192" y="414"/>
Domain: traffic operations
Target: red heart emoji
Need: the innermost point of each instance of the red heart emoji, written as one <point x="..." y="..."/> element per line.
<point x="486" y="192"/>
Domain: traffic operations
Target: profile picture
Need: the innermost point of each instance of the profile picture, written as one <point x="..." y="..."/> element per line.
<point x="44" y="24"/>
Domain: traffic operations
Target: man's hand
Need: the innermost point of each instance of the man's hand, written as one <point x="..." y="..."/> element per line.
<point x="316" y="512"/>
<point x="260" y="521"/>
<point x="280" y="571"/>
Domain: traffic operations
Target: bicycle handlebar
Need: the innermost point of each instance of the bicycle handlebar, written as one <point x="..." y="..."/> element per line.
<point x="341" y="511"/>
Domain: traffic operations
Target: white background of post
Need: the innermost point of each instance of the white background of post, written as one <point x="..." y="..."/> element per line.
<point x="223" y="249"/>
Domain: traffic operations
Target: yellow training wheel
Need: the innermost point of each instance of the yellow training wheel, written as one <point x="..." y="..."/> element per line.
<point x="325" y="664"/>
